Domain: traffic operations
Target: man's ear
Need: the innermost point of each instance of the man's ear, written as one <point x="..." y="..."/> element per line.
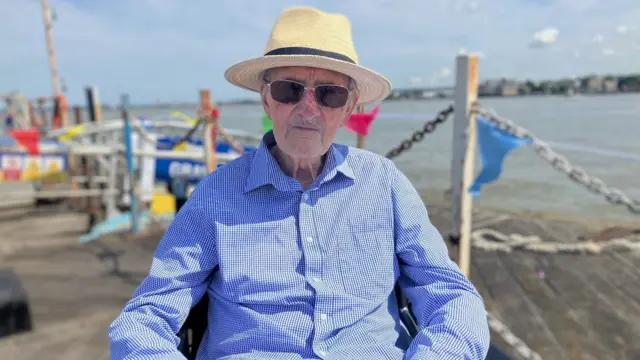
<point x="263" y="99"/>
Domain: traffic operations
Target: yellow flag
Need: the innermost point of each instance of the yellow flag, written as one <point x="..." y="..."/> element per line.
<point x="73" y="132"/>
<point x="185" y="117"/>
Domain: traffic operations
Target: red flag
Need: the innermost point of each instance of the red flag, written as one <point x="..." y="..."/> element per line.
<point x="28" y="139"/>
<point x="359" y="123"/>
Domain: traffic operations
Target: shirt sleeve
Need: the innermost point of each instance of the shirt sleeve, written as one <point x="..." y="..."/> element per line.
<point x="448" y="309"/>
<point x="177" y="280"/>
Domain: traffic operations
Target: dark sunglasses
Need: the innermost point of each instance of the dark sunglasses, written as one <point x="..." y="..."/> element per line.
<point x="290" y="92"/>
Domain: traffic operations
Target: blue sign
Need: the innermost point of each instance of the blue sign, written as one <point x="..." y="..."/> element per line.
<point x="193" y="171"/>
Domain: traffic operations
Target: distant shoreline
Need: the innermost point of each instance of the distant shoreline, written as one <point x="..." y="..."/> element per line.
<point x="250" y="102"/>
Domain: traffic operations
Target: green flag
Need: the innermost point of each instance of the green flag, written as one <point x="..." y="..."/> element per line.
<point x="267" y="124"/>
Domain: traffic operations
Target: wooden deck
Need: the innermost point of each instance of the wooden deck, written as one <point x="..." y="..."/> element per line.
<point x="584" y="307"/>
<point x="573" y="307"/>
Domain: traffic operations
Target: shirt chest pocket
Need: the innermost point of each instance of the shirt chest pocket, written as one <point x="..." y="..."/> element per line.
<point x="367" y="259"/>
<point x="256" y="260"/>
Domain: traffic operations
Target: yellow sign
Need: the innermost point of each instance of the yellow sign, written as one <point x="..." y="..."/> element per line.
<point x="20" y="167"/>
<point x="32" y="169"/>
<point x="163" y="204"/>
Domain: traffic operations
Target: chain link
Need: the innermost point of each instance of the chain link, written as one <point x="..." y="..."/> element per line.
<point x="577" y="174"/>
<point x="417" y="136"/>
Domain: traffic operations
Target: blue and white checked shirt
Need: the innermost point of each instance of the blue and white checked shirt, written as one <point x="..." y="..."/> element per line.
<point x="304" y="274"/>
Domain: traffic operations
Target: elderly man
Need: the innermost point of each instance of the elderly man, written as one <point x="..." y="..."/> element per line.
<point x="298" y="245"/>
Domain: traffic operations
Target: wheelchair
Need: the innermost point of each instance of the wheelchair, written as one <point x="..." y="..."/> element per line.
<point x="194" y="327"/>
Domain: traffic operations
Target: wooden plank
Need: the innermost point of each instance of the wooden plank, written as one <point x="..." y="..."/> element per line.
<point x="524" y="269"/>
<point x="513" y="307"/>
<point x="617" y="280"/>
<point x="614" y="315"/>
<point x="631" y="259"/>
<point x="601" y="328"/>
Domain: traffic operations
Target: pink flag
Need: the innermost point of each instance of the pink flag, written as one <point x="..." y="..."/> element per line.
<point x="359" y="123"/>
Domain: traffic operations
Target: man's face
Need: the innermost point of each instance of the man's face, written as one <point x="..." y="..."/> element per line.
<point x="305" y="129"/>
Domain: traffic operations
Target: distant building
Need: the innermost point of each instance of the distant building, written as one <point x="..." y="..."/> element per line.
<point x="498" y="87"/>
<point x="508" y="88"/>
<point x="610" y="85"/>
<point x="595" y="84"/>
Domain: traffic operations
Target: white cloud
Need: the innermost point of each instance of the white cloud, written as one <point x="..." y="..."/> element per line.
<point x="598" y="39"/>
<point x="545" y="37"/>
<point x="622" y="29"/>
<point x="608" y="52"/>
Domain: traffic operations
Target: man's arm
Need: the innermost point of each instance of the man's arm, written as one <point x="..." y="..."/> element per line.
<point x="185" y="257"/>
<point x="449" y="311"/>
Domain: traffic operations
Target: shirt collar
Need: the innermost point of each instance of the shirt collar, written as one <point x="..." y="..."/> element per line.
<point x="265" y="170"/>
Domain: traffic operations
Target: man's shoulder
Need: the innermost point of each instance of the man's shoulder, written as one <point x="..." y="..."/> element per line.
<point x="228" y="177"/>
<point x="364" y="160"/>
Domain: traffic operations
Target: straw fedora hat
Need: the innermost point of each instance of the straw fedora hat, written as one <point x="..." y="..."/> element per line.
<point x="304" y="36"/>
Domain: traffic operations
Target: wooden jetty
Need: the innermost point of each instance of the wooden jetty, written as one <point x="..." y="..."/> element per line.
<point x="583" y="307"/>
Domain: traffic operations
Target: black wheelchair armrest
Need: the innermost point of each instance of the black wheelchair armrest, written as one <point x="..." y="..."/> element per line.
<point x="406" y="315"/>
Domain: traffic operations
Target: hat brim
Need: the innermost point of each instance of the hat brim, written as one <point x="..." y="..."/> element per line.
<point x="372" y="87"/>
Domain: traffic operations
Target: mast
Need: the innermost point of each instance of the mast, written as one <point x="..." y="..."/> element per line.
<point x="46" y="16"/>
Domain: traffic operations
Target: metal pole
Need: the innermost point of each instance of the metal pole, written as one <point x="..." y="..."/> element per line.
<point x="129" y="154"/>
<point x="46" y="16"/>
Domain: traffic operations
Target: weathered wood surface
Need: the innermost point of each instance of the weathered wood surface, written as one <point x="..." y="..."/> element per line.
<point x="585" y="307"/>
<point x="563" y="306"/>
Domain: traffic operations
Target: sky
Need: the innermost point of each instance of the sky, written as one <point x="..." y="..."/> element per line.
<point x="166" y="50"/>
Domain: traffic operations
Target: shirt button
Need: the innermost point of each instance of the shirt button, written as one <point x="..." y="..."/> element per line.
<point x="322" y="353"/>
<point x="305" y="197"/>
<point x="323" y="316"/>
<point x="310" y="239"/>
<point x="316" y="279"/>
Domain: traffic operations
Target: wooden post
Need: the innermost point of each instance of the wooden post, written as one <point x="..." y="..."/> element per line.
<point x="89" y="164"/>
<point x="93" y="104"/>
<point x="77" y="112"/>
<point x="44" y="120"/>
<point x="210" y="130"/>
<point x="360" y="143"/>
<point x="73" y="170"/>
<point x="463" y="157"/>
<point x="129" y="152"/>
<point x="32" y="116"/>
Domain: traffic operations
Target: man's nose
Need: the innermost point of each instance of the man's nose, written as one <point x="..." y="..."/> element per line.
<point x="309" y="104"/>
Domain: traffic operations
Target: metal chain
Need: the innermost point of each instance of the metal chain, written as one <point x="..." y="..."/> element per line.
<point x="559" y="162"/>
<point x="417" y="136"/>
